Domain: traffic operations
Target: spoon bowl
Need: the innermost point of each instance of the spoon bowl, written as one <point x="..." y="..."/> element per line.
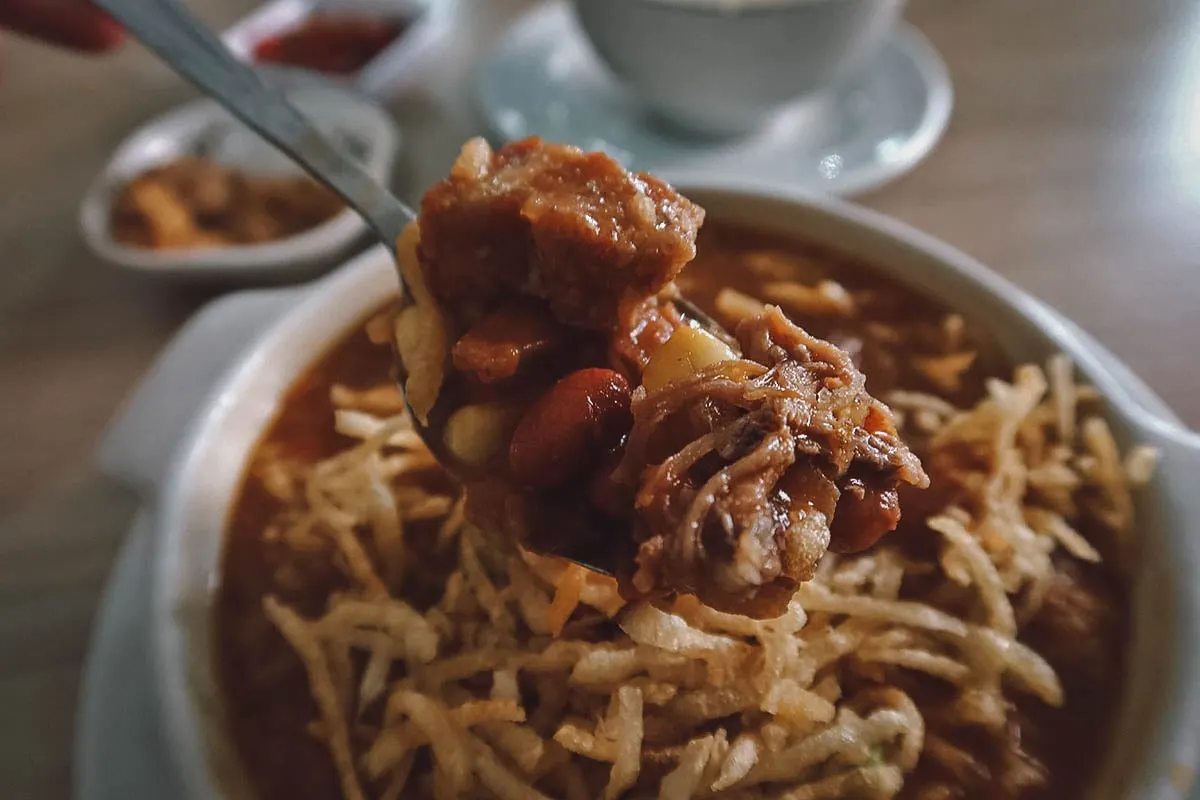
<point x="598" y="556"/>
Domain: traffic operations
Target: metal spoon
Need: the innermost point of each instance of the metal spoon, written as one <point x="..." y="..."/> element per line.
<point x="197" y="54"/>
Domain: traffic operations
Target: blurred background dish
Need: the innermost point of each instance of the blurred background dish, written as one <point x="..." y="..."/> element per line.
<point x="119" y="750"/>
<point x="194" y="194"/>
<point x="330" y="43"/>
<point x="724" y="67"/>
<point x="195" y="202"/>
<point x="870" y="127"/>
<point x="371" y="45"/>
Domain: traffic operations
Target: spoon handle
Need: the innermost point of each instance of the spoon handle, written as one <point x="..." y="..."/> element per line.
<point x="192" y="50"/>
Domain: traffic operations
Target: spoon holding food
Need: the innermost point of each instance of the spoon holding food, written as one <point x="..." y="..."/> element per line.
<point x="552" y="367"/>
<point x="591" y="416"/>
<point x="197" y="54"/>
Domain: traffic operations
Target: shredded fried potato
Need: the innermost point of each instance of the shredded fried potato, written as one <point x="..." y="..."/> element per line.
<point x="531" y="678"/>
<point x="419" y="330"/>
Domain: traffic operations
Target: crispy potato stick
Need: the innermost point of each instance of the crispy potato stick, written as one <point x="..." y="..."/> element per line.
<point x="626" y="730"/>
<point x="300" y="635"/>
<point x="567" y="590"/>
<point x="520" y="676"/>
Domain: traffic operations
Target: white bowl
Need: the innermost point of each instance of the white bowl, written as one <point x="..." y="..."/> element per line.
<point x="722" y="67"/>
<point x="184" y="439"/>
<point x="390" y="71"/>
<point x="352" y="121"/>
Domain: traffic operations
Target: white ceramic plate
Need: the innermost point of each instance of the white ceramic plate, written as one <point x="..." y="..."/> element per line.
<point x="353" y="122"/>
<point x="543" y="80"/>
<point x="119" y="752"/>
<point x="191" y="486"/>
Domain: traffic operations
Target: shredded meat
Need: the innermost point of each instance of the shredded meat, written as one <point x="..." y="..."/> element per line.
<point x="555" y="269"/>
<point x="573" y="228"/>
<point x="744" y="470"/>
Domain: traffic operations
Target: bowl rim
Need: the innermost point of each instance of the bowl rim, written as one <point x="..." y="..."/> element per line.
<point x="1162" y="772"/>
<point x="734" y="9"/>
<point x="292" y="255"/>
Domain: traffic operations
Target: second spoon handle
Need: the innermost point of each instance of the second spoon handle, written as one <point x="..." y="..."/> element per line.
<point x="184" y="43"/>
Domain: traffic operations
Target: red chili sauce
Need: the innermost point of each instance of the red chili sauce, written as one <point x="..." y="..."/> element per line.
<point x="334" y="44"/>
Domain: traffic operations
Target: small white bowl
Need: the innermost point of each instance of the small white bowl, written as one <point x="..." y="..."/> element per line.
<point x="185" y="437"/>
<point x="203" y="127"/>
<point x="723" y="67"/>
<point x="389" y="72"/>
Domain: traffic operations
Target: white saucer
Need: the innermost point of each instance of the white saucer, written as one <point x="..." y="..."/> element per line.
<point x="119" y="751"/>
<point x="543" y="79"/>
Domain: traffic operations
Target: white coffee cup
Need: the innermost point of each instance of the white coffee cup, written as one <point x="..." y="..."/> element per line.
<point x="724" y="67"/>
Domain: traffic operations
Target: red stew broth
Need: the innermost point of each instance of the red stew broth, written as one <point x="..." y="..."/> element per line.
<point x="268" y="705"/>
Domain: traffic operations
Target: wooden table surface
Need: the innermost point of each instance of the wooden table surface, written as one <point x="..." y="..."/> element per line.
<point x="1072" y="166"/>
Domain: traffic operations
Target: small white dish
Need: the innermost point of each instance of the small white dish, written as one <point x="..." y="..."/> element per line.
<point x="204" y="128"/>
<point x="725" y="67"/>
<point x="119" y="749"/>
<point x="543" y="80"/>
<point x="389" y="72"/>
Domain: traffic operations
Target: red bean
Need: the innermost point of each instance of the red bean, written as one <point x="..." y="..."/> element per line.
<point x="500" y="343"/>
<point x="577" y="421"/>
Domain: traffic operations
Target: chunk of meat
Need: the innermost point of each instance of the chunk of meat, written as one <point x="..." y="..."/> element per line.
<point x="866" y="510"/>
<point x="763" y="453"/>
<point x="738" y="473"/>
<point x="645" y="328"/>
<point x="1077" y="629"/>
<point x="498" y="345"/>
<point x="1021" y="774"/>
<point x="573" y="228"/>
<point x="963" y="761"/>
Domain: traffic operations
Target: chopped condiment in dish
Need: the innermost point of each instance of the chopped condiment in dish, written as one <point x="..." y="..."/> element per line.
<point x="193" y="202"/>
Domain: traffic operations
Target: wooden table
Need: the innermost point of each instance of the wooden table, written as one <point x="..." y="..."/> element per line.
<point x="1072" y="165"/>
